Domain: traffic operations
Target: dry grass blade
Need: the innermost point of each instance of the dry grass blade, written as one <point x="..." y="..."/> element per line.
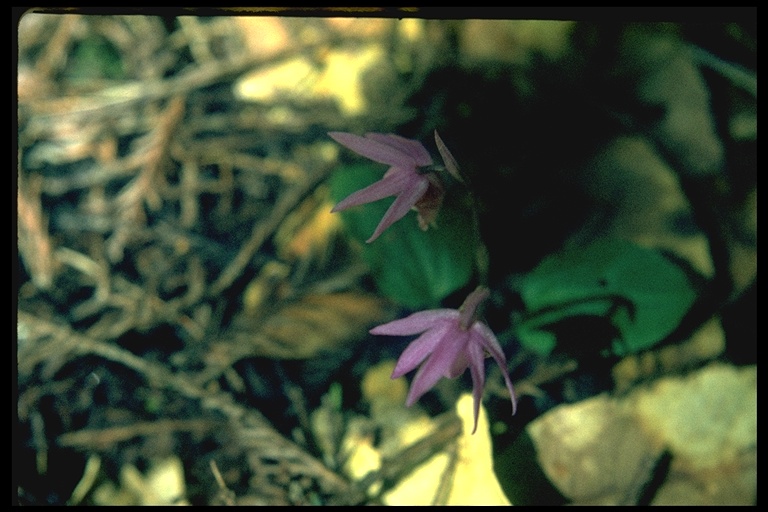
<point x="105" y="438"/>
<point x="34" y="242"/>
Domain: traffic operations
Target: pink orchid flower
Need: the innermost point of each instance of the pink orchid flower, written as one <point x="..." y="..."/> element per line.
<point x="452" y="341"/>
<point x="406" y="178"/>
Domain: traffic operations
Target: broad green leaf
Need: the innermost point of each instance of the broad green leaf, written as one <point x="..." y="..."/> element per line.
<point x="538" y="340"/>
<point x="646" y="293"/>
<point x="534" y="333"/>
<point x="413" y="267"/>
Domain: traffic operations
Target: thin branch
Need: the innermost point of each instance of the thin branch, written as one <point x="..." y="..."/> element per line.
<point x="185" y="82"/>
<point x="253" y="430"/>
<point x="263" y="230"/>
<point x="101" y="439"/>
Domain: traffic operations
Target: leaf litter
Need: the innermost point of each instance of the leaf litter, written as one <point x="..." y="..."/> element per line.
<point x="186" y="305"/>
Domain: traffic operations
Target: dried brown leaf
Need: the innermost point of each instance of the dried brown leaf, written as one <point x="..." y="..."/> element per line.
<point x="604" y="450"/>
<point x="310" y="325"/>
<point x="593" y="452"/>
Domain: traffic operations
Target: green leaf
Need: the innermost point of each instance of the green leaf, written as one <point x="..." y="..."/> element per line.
<point x="413" y="267"/>
<point x="540" y="341"/>
<point x="643" y="293"/>
<point x="95" y="58"/>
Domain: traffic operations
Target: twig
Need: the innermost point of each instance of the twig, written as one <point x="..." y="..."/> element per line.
<point x="197" y="38"/>
<point x="154" y="150"/>
<point x="253" y="430"/>
<point x="34" y="242"/>
<point x="90" y="475"/>
<point x="263" y="230"/>
<point x="738" y="75"/>
<point x="202" y="76"/>
<point x="104" y="438"/>
<point x="39" y="439"/>
<point x="447" y="478"/>
<point x="225" y="494"/>
<point x="144" y="186"/>
<point x="54" y="55"/>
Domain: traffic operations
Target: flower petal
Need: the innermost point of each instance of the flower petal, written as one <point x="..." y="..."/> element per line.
<point x="419" y="349"/>
<point x="459" y="366"/>
<point x="415" y="323"/>
<point x="376" y="150"/>
<point x="477" y="370"/>
<point x="489" y="342"/>
<point x="402" y="205"/>
<point x="453" y="343"/>
<point x="412" y="148"/>
<point x="450" y="163"/>
<point x="391" y="184"/>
